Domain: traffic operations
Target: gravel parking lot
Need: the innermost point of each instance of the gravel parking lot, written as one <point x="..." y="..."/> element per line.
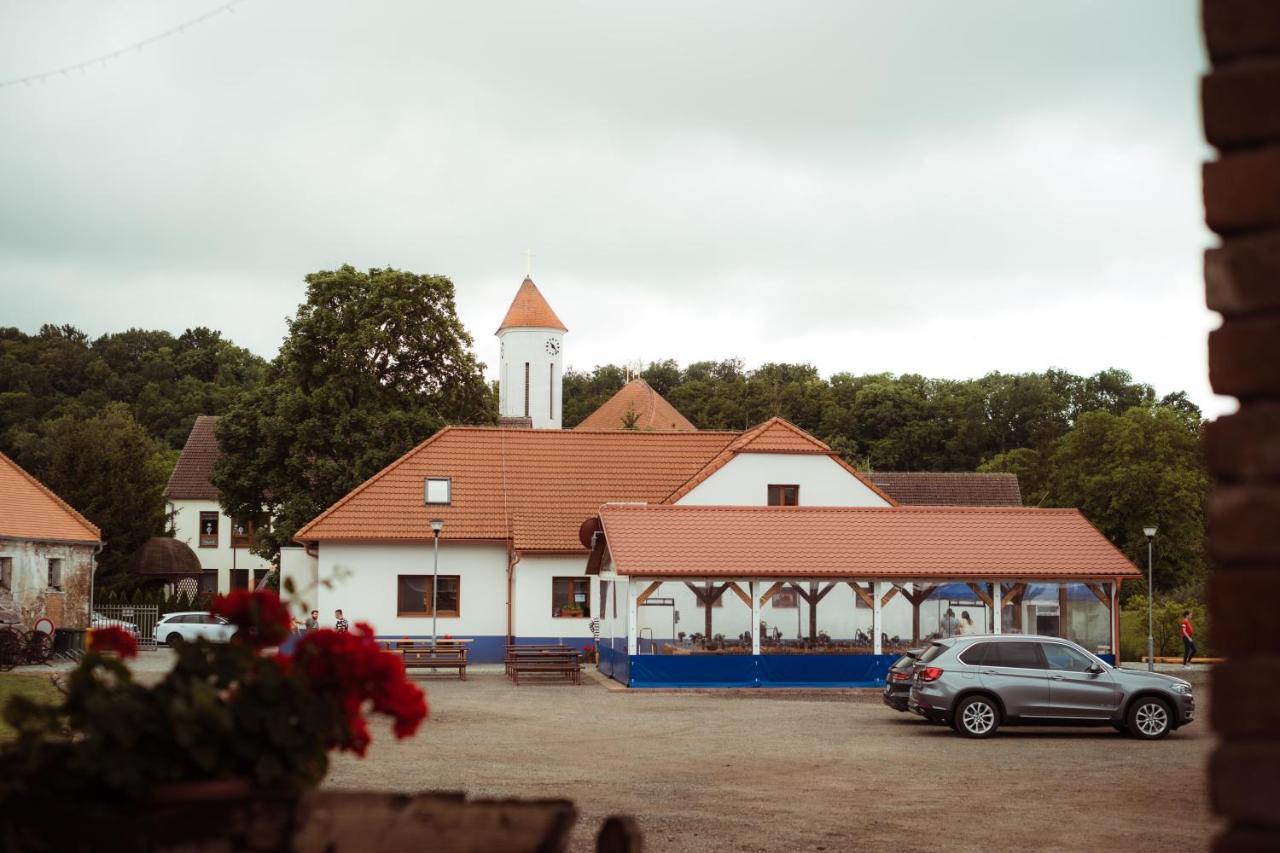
<point x="772" y="771"/>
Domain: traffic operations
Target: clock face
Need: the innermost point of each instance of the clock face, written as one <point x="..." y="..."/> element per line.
<point x="553" y="346"/>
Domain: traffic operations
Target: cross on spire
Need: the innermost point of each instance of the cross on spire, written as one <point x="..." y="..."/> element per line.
<point x="528" y="263"/>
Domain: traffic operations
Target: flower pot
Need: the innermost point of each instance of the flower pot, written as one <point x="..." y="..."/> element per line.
<point x="201" y="791"/>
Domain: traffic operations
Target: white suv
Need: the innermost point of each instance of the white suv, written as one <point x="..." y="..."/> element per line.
<point x="196" y="625"/>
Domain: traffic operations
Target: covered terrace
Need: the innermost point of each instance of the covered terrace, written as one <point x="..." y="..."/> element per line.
<point x="828" y="596"/>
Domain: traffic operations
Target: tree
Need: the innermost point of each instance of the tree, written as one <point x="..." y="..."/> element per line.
<point x="1127" y="471"/>
<point x="374" y="363"/>
<point x="110" y="470"/>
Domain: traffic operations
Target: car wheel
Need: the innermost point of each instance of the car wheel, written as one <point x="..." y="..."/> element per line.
<point x="977" y="716"/>
<point x="173" y="639"/>
<point x="1149" y="718"/>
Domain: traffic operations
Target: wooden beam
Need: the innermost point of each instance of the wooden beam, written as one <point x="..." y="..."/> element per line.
<point x="888" y="596"/>
<point x="771" y="592"/>
<point x="826" y="589"/>
<point x="981" y="593"/>
<point x="803" y="593"/>
<point x="1097" y="590"/>
<point x="867" y="598"/>
<point x="649" y="590"/>
<point x="737" y="590"/>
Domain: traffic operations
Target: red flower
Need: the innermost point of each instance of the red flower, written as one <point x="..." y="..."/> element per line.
<point x="261" y="616"/>
<point x="113" y="639"/>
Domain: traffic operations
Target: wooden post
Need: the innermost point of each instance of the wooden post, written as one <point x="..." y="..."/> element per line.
<point x="996" y="603"/>
<point x="915" y="616"/>
<point x="877" y="648"/>
<point x="706" y="610"/>
<point x="755" y="618"/>
<point x="632" y="618"/>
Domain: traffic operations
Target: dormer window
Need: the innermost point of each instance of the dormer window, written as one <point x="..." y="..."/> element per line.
<point x="438" y="491"/>
<point x="784" y="495"/>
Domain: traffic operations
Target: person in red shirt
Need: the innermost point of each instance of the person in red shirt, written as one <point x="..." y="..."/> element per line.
<point x="1188" y="639"/>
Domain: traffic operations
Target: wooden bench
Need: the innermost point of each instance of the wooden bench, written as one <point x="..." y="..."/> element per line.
<point x="559" y="661"/>
<point x="527" y="650"/>
<point x="419" y="656"/>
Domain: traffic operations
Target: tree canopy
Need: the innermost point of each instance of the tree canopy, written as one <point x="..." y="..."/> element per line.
<point x="374" y="362"/>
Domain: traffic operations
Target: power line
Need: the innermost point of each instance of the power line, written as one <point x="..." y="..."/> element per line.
<point x="103" y="59"/>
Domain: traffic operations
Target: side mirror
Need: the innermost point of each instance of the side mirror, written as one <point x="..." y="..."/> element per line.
<point x="1095" y="670"/>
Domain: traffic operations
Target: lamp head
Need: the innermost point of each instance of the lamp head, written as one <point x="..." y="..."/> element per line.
<point x="437" y="524"/>
<point x="1149" y="531"/>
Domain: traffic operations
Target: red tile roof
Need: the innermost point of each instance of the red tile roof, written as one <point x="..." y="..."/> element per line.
<point x="190" y="477"/>
<point x="951" y="489"/>
<point x="637" y="396"/>
<point x="534" y="487"/>
<point x="530" y="309"/>
<point x="29" y="510"/>
<point x="923" y="543"/>
<point x="773" y="436"/>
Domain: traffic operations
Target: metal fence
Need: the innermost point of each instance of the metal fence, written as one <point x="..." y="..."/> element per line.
<point x="140" y="620"/>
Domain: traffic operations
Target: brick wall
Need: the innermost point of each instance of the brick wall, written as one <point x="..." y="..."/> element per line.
<point x="1241" y="105"/>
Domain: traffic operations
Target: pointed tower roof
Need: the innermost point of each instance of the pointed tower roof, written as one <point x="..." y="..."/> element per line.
<point x="637" y="398"/>
<point x="530" y="310"/>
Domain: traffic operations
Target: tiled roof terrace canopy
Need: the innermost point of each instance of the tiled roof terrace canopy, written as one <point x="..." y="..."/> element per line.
<point x="885" y="543"/>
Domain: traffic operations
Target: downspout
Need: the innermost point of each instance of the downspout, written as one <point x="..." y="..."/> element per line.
<point x="93" y="570"/>
<point x="513" y="557"/>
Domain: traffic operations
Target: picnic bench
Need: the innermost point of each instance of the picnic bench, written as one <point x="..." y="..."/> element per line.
<point x="418" y="655"/>
<point x="538" y="660"/>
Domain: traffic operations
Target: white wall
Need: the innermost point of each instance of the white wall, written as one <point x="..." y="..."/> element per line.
<point x="223" y="558"/>
<point x="363" y="580"/>
<point x="29" y="597"/>
<point x="300" y="569"/>
<point x="533" y="610"/>
<point x="546" y="400"/>
<point x="745" y="481"/>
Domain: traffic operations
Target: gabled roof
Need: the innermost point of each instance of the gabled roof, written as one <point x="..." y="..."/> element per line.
<point x="190" y="477"/>
<point x="530" y="310"/>
<point x="922" y="543"/>
<point x="534" y="487"/>
<point x="29" y="510"/>
<point x="951" y="489"/>
<point x="773" y="436"/>
<point x="651" y="410"/>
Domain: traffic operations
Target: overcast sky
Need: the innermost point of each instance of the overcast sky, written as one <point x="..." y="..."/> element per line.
<point x="934" y="187"/>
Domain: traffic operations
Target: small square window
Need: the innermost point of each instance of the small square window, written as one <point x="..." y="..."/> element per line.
<point x="55" y="573"/>
<point x="438" y="491"/>
<point x="784" y="495"/>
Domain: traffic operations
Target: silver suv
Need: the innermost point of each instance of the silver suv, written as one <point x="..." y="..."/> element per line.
<point x="978" y="683"/>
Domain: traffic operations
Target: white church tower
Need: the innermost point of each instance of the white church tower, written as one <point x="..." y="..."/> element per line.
<point x="531" y="363"/>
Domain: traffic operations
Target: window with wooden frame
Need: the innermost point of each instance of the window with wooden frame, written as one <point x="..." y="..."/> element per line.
<point x="55" y="573"/>
<point x="571" y="597"/>
<point x="208" y="530"/>
<point x="243" y="531"/>
<point x="413" y="595"/>
<point x="784" y="495"/>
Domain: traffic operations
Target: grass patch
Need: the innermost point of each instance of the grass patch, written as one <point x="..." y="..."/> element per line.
<point x="33" y="686"/>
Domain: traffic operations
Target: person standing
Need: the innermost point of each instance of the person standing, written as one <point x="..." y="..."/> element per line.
<point x="339" y="623"/>
<point x="313" y="621"/>
<point x="1188" y="639"/>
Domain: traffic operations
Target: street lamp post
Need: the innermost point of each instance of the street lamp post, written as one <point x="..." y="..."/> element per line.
<point x="437" y="524"/>
<point x="1151" y="600"/>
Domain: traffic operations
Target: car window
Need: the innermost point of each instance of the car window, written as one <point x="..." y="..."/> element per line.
<point x="1065" y="658"/>
<point x="976" y="654"/>
<point x="1019" y="655"/>
<point x="932" y="652"/>
<point x="177" y="620"/>
<point x="904" y="662"/>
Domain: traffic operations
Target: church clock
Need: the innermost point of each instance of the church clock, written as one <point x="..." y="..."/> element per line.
<point x="553" y="347"/>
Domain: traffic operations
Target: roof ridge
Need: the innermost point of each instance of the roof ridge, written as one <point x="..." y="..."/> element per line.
<point x="369" y="482"/>
<point x="632" y="506"/>
<point x="66" y="507"/>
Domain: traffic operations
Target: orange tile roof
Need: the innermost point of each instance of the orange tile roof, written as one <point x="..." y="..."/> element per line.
<point x="190" y="477"/>
<point x="534" y="487"/>
<point x="637" y="396"/>
<point x="773" y="436"/>
<point x="29" y="510"/>
<point x="921" y="488"/>
<point x="923" y="543"/>
<point x="530" y="309"/>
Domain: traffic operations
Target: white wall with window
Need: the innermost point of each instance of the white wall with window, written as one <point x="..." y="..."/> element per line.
<point x="555" y="598"/>
<point x="745" y="480"/>
<point x="45" y="579"/>
<point x="221" y="543"/>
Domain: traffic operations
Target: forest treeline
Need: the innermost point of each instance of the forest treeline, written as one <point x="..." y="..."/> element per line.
<point x="375" y="361"/>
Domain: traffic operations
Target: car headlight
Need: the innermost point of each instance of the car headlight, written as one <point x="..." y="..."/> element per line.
<point x="1184" y="689"/>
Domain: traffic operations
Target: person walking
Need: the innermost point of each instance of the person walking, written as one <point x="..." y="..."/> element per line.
<point x="1188" y="638"/>
<point x="339" y="623"/>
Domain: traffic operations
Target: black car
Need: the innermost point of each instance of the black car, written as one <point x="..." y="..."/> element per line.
<point x="897" y="681"/>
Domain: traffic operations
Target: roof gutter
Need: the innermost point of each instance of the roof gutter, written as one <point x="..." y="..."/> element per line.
<point x="513" y="557"/>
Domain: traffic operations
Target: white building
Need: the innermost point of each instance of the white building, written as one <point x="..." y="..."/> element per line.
<point x="47" y="554"/>
<point x="531" y="360"/>
<point x="221" y="543"/>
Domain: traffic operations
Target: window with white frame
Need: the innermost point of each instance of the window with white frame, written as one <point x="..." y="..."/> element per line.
<point x="55" y="573"/>
<point x="438" y="491"/>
